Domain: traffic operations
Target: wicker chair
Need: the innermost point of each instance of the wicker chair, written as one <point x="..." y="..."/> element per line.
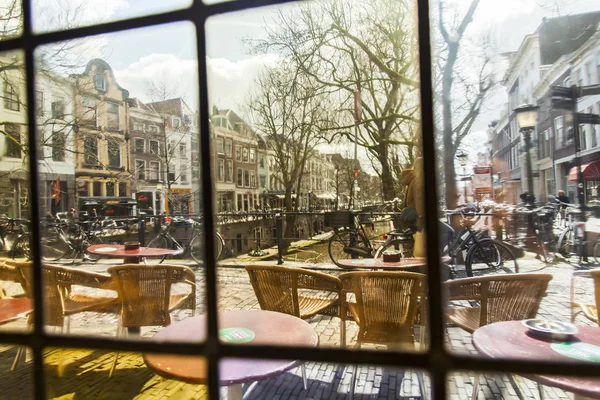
<point x="501" y="298"/>
<point x="60" y="302"/>
<point x="385" y="309"/>
<point x="145" y="294"/>
<point x="589" y="310"/>
<point x="297" y="292"/>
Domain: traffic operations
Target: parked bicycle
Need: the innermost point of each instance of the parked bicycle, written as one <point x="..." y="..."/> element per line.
<point x="353" y="242"/>
<point x="69" y="237"/>
<point x="194" y="246"/>
<point x="21" y="245"/>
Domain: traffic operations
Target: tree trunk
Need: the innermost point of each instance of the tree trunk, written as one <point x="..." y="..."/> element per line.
<point x="448" y="139"/>
<point x="387" y="174"/>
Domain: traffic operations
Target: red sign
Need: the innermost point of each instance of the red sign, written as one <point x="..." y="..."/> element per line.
<point x="56" y="191"/>
<point x="356" y="173"/>
<point x="482" y="179"/>
<point x="142" y="198"/>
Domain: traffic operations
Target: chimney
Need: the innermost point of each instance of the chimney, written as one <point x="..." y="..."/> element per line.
<point x="215" y="110"/>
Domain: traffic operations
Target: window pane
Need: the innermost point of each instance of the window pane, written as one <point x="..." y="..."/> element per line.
<point x="54" y="16"/>
<point x="102" y="170"/>
<point x="18" y="383"/>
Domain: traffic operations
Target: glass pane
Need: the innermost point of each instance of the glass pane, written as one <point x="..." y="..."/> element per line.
<point x="16" y="364"/>
<point x="51" y="16"/>
<point x="107" y="183"/>
<point x="255" y="378"/>
<point x="12" y="19"/>
<point x="14" y="193"/>
<point x="286" y="191"/>
<point x="84" y="373"/>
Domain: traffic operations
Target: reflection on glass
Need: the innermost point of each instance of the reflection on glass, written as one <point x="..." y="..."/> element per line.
<point x="119" y="182"/>
<point x="11" y="25"/>
<point x="17" y="374"/>
<point x="49" y="15"/>
<point x="83" y="373"/>
<point x="321" y="380"/>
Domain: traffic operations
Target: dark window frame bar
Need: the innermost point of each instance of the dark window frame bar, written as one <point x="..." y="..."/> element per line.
<point x="437" y="361"/>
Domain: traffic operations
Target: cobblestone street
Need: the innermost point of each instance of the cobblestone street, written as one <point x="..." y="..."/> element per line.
<point x="86" y="371"/>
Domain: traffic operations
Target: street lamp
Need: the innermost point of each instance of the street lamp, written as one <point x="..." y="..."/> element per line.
<point x="526" y="119"/>
<point x="462" y="160"/>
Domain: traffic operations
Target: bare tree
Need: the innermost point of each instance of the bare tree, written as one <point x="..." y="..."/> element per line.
<point x="370" y="48"/>
<point x="288" y="110"/>
<point x="462" y="96"/>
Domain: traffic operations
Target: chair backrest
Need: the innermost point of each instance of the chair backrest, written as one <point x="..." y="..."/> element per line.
<point x="276" y="287"/>
<point x="386" y="303"/>
<point x="502" y="297"/>
<point x="144" y="291"/>
<point x="53" y="296"/>
<point x="595" y="273"/>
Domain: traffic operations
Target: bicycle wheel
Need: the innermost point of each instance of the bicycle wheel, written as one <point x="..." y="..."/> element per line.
<point x="54" y="246"/>
<point x="404" y="245"/>
<point x="597" y="251"/>
<point x="565" y="243"/>
<point x="490" y="256"/>
<point x="89" y="242"/>
<point x="21" y="247"/>
<point x="347" y="244"/>
<point x="197" y="249"/>
<point x="219" y="245"/>
<point x="159" y="242"/>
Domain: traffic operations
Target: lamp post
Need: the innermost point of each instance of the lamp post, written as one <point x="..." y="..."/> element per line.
<point x="526" y="119"/>
<point x="462" y="159"/>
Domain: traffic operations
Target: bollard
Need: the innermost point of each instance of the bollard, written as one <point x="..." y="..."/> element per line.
<point x="498" y="227"/>
<point x="279" y="230"/>
<point x="142" y="231"/>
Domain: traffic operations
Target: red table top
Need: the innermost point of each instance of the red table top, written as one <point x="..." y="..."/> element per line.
<point x="13" y="309"/>
<point x="268" y="327"/>
<point x="510" y="340"/>
<point x="377" y="263"/>
<point x="120" y="252"/>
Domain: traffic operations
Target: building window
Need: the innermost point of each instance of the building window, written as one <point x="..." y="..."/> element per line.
<point x="154" y="147"/>
<point x="263" y="181"/>
<point x="154" y="171"/>
<point x="175" y="122"/>
<point x="228" y="147"/>
<point x="123" y="189"/>
<point x="89" y="110"/>
<point x="582" y="137"/>
<point x="252" y="155"/>
<point x="114" y="153"/>
<point x="39" y="103"/>
<point x="140" y="169"/>
<point x="58" y="146"/>
<point x="139" y="146"/>
<point x="558" y="128"/>
<point x="252" y="179"/>
<point x="238" y="153"/>
<point x="153" y="129"/>
<point x="229" y="171"/>
<point x="57" y="108"/>
<point x="221" y="171"/>
<point x="97" y="188"/>
<point x="110" y="189"/>
<point x="99" y="81"/>
<point x="240" y="177"/>
<point x="90" y="151"/>
<point x="171" y="148"/>
<point x="220" y="146"/>
<point x="182" y="150"/>
<point x="112" y="116"/>
<point x="245" y="154"/>
<point x="11" y="97"/>
<point x="137" y="127"/>
<point x="246" y="178"/>
<point x="13" y="140"/>
<point x="184" y="177"/>
<point x="171" y="174"/>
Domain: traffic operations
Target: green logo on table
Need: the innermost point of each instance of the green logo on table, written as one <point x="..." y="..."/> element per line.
<point x="236" y="335"/>
<point x="578" y="350"/>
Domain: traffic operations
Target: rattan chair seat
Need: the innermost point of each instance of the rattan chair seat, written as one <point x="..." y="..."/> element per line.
<point x="589" y="310"/>
<point x="77" y="303"/>
<point x="466" y="318"/>
<point x="310" y="306"/>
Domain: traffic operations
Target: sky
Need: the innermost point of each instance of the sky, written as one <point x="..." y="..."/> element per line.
<point x="167" y="54"/>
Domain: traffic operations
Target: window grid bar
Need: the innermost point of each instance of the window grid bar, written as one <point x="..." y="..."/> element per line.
<point x="438" y="355"/>
<point x="437" y="362"/>
<point x="38" y="317"/>
<point x="210" y="270"/>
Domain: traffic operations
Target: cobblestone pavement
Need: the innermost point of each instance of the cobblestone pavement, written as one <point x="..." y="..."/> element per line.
<point x="86" y="371"/>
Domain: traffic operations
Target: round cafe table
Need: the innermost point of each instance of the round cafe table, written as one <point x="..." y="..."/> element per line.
<point x="12" y="309"/>
<point x="248" y="327"/>
<point x="511" y="340"/>
<point x="130" y="256"/>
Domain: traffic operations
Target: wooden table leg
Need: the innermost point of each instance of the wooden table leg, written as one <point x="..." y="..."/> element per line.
<point x="234" y="392"/>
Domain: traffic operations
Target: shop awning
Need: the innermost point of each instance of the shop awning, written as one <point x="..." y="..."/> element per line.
<point x="590" y="172"/>
<point x="326" y="196"/>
